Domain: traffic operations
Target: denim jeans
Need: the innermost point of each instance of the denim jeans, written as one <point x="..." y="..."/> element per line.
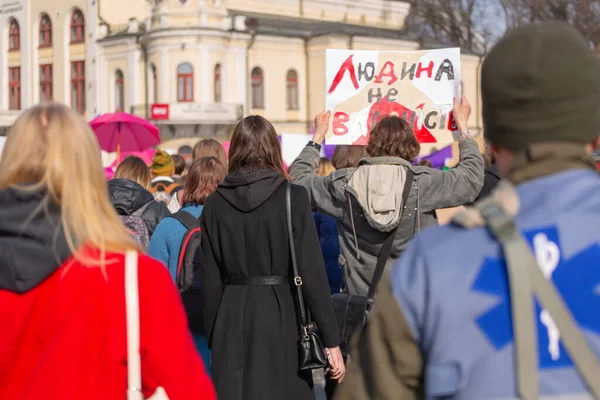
<point x="201" y="343"/>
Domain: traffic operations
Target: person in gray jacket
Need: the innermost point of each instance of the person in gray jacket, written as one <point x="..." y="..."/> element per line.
<point x="367" y="201"/>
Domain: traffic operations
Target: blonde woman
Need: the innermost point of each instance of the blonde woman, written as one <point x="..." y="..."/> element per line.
<point x="62" y="300"/>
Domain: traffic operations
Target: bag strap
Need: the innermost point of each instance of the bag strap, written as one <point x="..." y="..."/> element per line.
<point x="302" y="317"/>
<point x="134" y="374"/>
<point x="186" y="219"/>
<point x="386" y="249"/>
<point x="525" y="277"/>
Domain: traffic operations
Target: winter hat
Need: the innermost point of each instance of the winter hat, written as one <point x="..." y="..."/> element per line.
<point x="162" y="164"/>
<point x="541" y="83"/>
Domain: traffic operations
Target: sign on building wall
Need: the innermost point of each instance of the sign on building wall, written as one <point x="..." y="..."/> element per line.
<point x="196" y="112"/>
<point x="365" y="86"/>
<point x="10" y="6"/>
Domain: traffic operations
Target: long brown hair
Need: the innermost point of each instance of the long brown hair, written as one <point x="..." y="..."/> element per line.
<point x="347" y="156"/>
<point x="134" y="169"/>
<point x="51" y="149"/>
<point x="202" y="180"/>
<point x="255" y="145"/>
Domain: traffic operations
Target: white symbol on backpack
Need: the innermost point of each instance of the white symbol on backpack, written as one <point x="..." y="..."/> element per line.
<point x="547" y="254"/>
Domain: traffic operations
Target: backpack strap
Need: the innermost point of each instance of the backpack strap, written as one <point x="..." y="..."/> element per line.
<point x="525" y="279"/>
<point x="386" y="249"/>
<point x="187" y="219"/>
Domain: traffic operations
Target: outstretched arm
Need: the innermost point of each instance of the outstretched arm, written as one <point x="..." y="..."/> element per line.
<point x="321" y="191"/>
<point x="462" y="184"/>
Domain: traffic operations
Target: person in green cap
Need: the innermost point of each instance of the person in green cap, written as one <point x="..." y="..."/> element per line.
<point x="163" y="185"/>
<point x="504" y="303"/>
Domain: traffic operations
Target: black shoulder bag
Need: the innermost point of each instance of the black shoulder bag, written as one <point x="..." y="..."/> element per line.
<point x="351" y="311"/>
<point x="311" y="351"/>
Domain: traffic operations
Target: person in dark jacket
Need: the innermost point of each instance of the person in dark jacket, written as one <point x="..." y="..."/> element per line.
<point x="328" y="237"/>
<point x="128" y="193"/>
<point x="491" y="176"/>
<point x="252" y="328"/>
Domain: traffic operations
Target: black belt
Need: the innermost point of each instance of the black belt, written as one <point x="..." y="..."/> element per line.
<point x="257" y="280"/>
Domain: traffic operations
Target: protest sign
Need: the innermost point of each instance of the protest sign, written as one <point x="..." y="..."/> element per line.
<point x="365" y="86"/>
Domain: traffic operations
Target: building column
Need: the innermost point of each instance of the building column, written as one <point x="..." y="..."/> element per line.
<point x="164" y="75"/>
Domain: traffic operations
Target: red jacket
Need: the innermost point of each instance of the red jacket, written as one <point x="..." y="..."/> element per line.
<point x="65" y="338"/>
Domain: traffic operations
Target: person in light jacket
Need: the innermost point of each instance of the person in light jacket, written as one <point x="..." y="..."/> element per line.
<point x="202" y="179"/>
<point x="367" y="210"/>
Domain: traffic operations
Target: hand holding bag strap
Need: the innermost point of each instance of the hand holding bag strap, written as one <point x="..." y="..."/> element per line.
<point x="386" y="249"/>
<point x="134" y="374"/>
<point x="525" y="277"/>
<point x="303" y="320"/>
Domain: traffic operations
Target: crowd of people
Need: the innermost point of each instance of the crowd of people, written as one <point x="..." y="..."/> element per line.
<point x="228" y="253"/>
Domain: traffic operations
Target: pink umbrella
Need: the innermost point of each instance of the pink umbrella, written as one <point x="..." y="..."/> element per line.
<point x="146" y="155"/>
<point x="124" y="132"/>
<point x="226" y="146"/>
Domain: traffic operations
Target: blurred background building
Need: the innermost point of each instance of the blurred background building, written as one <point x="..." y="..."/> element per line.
<point x="194" y="67"/>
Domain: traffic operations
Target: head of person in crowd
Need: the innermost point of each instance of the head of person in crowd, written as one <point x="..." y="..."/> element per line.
<point x="255" y="145"/>
<point x="538" y="114"/>
<point x="52" y="160"/>
<point x="134" y="169"/>
<point x="162" y="164"/>
<point x="179" y="165"/>
<point x="210" y="148"/>
<point x="425" y="163"/>
<point x="346" y="156"/>
<point x="186" y="152"/>
<point x="325" y="167"/>
<point x="202" y="180"/>
<point x="393" y="137"/>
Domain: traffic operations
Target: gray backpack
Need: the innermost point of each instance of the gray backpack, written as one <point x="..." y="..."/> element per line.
<point x="137" y="227"/>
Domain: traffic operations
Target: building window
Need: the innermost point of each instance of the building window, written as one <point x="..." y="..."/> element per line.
<point x="14" y="42"/>
<point x="292" y="90"/>
<point x="78" y="86"/>
<point x="185" y="83"/>
<point x="77" y="27"/>
<point x="45" y="83"/>
<point x="218" y="83"/>
<point x="119" y="91"/>
<point x="45" y="31"/>
<point x="14" y="88"/>
<point x="258" y="88"/>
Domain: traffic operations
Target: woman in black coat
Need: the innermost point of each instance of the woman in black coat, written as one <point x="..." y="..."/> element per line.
<point x="253" y="329"/>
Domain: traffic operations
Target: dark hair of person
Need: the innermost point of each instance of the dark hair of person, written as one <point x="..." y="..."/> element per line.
<point x="184" y="150"/>
<point x="347" y="156"/>
<point x="134" y="169"/>
<point x="255" y="145"/>
<point x="179" y="164"/>
<point x="425" y="163"/>
<point x="202" y="180"/>
<point x="210" y="148"/>
<point x="393" y="137"/>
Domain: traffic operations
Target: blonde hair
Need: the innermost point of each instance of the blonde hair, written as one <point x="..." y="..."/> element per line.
<point x="134" y="169"/>
<point x="210" y="148"/>
<point x="325" y="167"/>
<point x="50" y="149"/>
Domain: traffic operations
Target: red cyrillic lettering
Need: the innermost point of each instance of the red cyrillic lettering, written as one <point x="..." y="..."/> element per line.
<point x="429" y="69"/>
<point x="346" y="66"/>
<point x="339" y="123"/>
<point x="387" y="71"/>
